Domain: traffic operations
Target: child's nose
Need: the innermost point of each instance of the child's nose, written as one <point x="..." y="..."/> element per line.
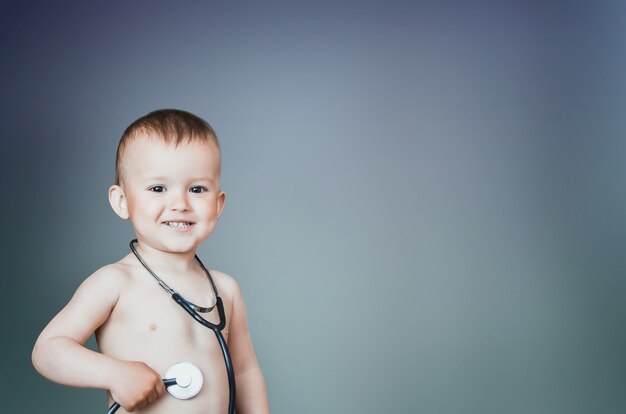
<point x="179" y="201"/>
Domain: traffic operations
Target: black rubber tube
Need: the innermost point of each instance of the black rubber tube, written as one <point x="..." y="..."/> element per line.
<point x="113" y="408"/>
<point x="220" y="338"/>
<point x="217" y="329"/>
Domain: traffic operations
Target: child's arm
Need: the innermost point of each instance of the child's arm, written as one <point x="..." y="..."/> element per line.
<point x="60" y="356"/>
<point x="251" y="392"/>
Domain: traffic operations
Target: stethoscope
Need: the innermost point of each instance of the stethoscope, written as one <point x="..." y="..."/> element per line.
<point x="184" y="380"/>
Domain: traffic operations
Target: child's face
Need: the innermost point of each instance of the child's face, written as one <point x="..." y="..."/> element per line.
<point x="172" y="194"/>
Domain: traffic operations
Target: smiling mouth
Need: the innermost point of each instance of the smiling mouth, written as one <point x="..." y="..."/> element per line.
<point x="178" y="224"/>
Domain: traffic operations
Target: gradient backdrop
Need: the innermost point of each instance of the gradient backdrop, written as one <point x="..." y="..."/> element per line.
<point x="426" y="202"/>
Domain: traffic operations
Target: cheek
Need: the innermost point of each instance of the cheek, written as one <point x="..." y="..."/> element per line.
<point x="207" y="209"/>
<point x="146" y="207"/>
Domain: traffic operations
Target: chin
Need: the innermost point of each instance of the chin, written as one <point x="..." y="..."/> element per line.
<point x="181" y="246"/>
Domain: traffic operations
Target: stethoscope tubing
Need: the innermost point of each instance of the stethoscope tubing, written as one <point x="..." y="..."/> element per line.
<point x="220" y="338"/>
<point x="217" y="329"/>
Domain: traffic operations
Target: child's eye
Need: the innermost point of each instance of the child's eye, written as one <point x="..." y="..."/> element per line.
<point x="157" y="189"/>
<point x="198" y="189"/>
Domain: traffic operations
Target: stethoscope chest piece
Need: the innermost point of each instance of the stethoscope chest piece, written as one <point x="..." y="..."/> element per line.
<point x="188" y="380"/>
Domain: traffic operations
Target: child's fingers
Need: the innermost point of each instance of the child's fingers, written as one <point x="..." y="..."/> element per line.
<point x="160" y="389"/>
<point x="153" y="397"/>
<point x="142" y="404"/>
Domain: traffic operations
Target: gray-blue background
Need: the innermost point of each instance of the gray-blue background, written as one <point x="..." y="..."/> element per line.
<point x="426" y="202"/>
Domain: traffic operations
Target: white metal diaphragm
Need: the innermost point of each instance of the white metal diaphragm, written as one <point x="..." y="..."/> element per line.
<point x="188" y="380"/>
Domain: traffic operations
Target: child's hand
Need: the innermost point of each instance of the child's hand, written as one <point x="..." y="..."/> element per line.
<point x="136" y="385"/>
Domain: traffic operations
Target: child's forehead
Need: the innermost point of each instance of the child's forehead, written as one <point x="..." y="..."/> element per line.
<point x="147" y="155"/>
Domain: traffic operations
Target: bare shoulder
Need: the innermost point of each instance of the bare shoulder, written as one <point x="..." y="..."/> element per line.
<point x="113" y="276"/>
<point x="90" y="305"/>
<point x="226" y="284"/>
<point x="105" y="285"/>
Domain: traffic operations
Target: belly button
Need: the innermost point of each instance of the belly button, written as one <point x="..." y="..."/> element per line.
<point x="153" y="327"/>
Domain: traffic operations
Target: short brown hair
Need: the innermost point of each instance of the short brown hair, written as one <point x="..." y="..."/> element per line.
<point x="171" y="125"/>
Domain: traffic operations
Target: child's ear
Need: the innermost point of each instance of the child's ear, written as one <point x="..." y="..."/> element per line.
<point x="221" y="199"/>
<point x="117" y="199"/>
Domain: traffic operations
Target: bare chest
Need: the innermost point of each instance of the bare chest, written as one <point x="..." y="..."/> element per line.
<point x="147" y="324"/>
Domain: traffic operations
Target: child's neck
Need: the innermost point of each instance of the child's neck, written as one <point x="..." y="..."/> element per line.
<point x="166" y="261"/>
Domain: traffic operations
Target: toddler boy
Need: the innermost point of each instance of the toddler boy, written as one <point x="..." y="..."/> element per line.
<point x="168" y="185"/>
